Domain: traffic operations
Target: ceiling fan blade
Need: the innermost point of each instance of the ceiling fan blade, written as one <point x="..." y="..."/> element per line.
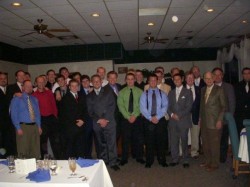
<point x="27" y="34"/>
<point x="48" y="34"/>
<point x="160" y="42"/>
<point x="163" y="39"/>
<point x="58" y="30"/>
<point x="144" y="43"/>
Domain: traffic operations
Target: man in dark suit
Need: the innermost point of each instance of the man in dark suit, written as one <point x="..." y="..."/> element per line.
<point x="195" y="129"/>
<point x="101" y="107"/>
<point x="212" y="108"/>
<point x="180" y="105"/>
<point x="13" y="90"/>
<point x="197" y="77"/>
<point x="74" y="111"/>
<point x="170" y="81"/>
<point x="139" y="79"/>
<point x="242" y="93"/>
<point x="51" y="78"/>
<point x="230" y="98"/>
<point x="4" y="109"/>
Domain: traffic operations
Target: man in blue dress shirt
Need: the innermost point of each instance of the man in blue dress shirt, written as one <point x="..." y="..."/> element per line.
<point x="26" y="118"/>
<point x="153" y="106"/>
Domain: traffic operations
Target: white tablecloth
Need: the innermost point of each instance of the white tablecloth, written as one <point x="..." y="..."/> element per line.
<point x="97" y="175"/>
<point x="243" y="148"/>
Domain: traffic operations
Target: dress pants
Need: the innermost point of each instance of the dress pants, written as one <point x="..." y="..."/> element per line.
<point x="178" y="133"/>
<point x="132" y="134"/>
<point x="224" y="142"/>
<point x="50" y="129"/>
<point x="211" y="145"/>
<point x="195" y="136"/>
<point x="155" y="139"/>
<point x="88" y="138"/>
<point x="106" y="141"/>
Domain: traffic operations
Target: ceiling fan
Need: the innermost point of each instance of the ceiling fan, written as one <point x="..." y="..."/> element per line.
<point x="42" y="29"/>
<point x="150" y="39"/>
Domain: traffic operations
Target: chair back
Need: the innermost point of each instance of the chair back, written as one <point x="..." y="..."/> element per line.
<point x="246" y="123"/>
<point x="233" y="134"/>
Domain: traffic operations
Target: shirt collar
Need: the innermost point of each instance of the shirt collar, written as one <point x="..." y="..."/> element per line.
<point x="219" y="84"/>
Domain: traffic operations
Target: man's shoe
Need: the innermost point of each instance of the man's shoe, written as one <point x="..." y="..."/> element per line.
<point x="148" y="166"/>
<point x="141" y="161"/>
<point x="164" y="164"/>
<point x="174" y="164"/>
<point x="123" y="162"/>
<point x="115" y="167"/>
<point x="186" y="165"/>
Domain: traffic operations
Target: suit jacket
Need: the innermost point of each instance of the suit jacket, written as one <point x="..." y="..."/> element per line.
<point x="242" y="100"/>
<point x="11" y="90"/>
<point x="214" y="109"/>
<point x="196" y="106"/>
<point x="102" y="105"/>
<point x="230" y="97"/>
<point x="170" y="82"/>
<point x="182" y="107"/>
<point x="4" y="110"/>
<point x="71" y="111"/>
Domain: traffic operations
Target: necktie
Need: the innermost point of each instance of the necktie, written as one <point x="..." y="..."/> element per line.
<point x="63" y="93"/>
<point x="193" y="93"/>
<point x="76" y="97"/>
<point x="31" y="110"/>
<point x="247" y="87"/>
<point x="177" y="94"/>
<point x="97" y="92"/>
<point x="115" y="90"/>
<point x="4" y="90"/>
<point x="208" y="90"/>
<point x="153" y="109"/>
<point x="131" y="101"/>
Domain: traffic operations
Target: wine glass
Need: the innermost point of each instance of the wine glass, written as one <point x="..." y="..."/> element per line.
<point x="11" y="163"/>
<point x="53" y="167"/>
<point x="72" y="165"/>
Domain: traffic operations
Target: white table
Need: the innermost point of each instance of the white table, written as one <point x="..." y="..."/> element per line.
<point x="243" y="148"/>
<point x="97" y="175"/>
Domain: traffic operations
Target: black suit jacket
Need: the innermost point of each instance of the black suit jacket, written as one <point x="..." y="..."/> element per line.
<point x="242" y="100"/>
<point x="71" y="111"/>
<point x="170" y="82"/>
<point x="11" y="90"/>
<point x="4" y="110"/>
<point x="196" y="106"/>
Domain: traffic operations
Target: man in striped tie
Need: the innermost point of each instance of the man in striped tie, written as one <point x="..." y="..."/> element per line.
<point x="26" y="118"/>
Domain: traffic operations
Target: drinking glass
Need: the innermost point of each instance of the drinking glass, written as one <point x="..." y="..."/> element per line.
<point x="11" y="163"/>
<point x="72" y="165"/>
<point x="53" y="167"/>
<point x="46" y="160"/>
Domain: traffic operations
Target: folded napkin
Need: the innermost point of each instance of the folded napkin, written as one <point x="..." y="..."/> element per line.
<point x="4" y="162"/>
<point x="86" y="162"/>
<point x="243" y="133"/>
<point x="40" y="175"/>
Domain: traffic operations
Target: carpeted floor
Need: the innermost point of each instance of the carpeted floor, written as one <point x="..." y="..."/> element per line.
<point x="134" y="174"/>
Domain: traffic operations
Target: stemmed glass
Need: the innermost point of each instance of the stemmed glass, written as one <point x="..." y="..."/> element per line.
<point x="53" y="167"/>
<point x="11" y="163"/>
<point x="72" y="165"/>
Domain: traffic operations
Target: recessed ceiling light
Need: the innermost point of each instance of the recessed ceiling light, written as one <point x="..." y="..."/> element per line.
<point x="151" y="24"/>
<point x="244" y="21"/>
<point x="16" y="4"/>
<point x="95" y="15"/>
<point x="210" y="10"/>
<point x="174" y="19"/>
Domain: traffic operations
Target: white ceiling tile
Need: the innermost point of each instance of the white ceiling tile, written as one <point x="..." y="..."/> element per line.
<point x="241" y="3"/>
<point x="27" y="13"/>
<point x="59" y="10"/>
<point x="154" y="4"/>
<point x="94" y="7"/>
<point x="48" y="3"/>
<point x="26" y="4"/>
<point x="181" y="10"/>
<point x="92" y="40"/>
<point x="185" y="3"/>
<point x="213" y="3"/>
<point x="83" y="2"/>
<point x="122" y="5"/>
<point x="102" y="20"/>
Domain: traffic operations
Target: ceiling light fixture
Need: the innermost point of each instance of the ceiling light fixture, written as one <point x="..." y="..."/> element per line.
<point x="174" y="19"/>
<point x="151" y="24"/>
<point x="95" y="15"/>
<point x="244" y="21"/>
<point x="16" y="4"/>
<point x="210" y="10"/>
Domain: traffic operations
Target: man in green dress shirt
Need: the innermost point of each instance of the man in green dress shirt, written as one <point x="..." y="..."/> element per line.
<point x="132" y="127"/>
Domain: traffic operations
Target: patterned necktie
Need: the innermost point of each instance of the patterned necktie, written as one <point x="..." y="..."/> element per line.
<point x="208" y="90"/>
<point x="31" y="110"/>
<point x="154" y="104"/>
<point x="131" y="102"/>
<point x="177" y="94"/>
<point x="76" y="97"/>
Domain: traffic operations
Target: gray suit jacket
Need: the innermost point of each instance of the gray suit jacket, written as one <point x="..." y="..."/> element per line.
<point x="182" y="107"/>
<point x="214" y="109"/>
<point x="102" y="105"/>
<point x="230" y="97"/>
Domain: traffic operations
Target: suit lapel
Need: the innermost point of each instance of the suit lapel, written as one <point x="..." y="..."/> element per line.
<point x="213" y="91"/>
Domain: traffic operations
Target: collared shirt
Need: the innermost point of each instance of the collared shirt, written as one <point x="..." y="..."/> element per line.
<point x="192" y="89"/>
<point x="20" y="86"/>
<point x="56" y="85"/>
<point x="20" y="112"/>
<point x="114" y="87"/>
<point x="97" y="91"/>
<point x="74" y="94"/>
<point x="3" y="89"/>
<point x="104" y="82"/>
<point x="86" y="90"/>
<point x="208" y="91"/>
<point x="197" y="81"/>
<point x="219" y="84"/>
<point x="47" y="103"/>
<point x="123" y="101"/>
<point x="178" y="91"/>
<point x="162" y="103"/>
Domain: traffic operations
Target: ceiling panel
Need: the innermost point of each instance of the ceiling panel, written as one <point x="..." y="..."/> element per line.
<point x="154" y="4"/>
<point x="26" y="4"/>
<point x="122" y="5"/>
<point x="59" y="10"/>
<point x="185" y="3"/>
<point x="49" y="3"/>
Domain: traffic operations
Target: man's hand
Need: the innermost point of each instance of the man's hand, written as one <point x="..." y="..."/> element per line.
<point x="19" y="132"/>
<point x="103" y="122"/>
<point x="58" y="96"/>
<point x="40" y="131"/>
<point x="219" y="125"/>
<point x="18" y="94"/>
<point x="132" y="119"/>
<point x="175" y="117"/>
<point x="154" y="120"/>
<point x="79" y="122"/>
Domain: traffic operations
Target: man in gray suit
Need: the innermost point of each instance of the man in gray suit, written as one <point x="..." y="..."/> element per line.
<point x="212" y="108"/>
<point x="230" y="98"/>
<point x="180" y="105"/>
<point x="101" y="107"/>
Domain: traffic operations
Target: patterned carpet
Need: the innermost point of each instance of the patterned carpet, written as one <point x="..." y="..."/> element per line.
<point x="134" y="174"/>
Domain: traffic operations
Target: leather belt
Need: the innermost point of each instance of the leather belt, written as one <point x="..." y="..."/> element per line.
<point x="23" y="123"/>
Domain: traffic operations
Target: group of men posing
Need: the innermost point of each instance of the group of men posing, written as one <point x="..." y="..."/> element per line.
<point x="157" y="115"/>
